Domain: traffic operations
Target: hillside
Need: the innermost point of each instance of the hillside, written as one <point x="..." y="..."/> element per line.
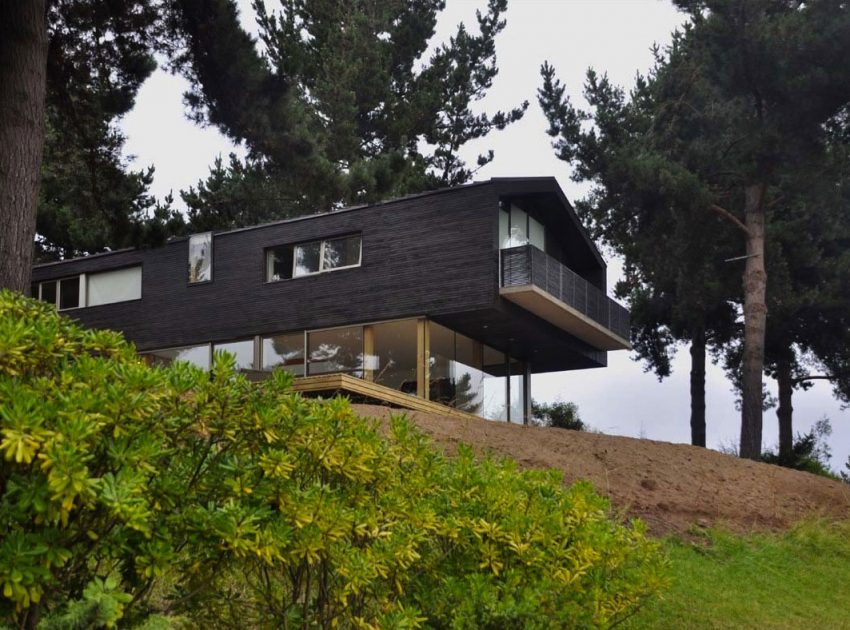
<point x="670" y="486"/>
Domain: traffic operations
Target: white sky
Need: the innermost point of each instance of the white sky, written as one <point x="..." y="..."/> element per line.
<point x="613" y="36"/>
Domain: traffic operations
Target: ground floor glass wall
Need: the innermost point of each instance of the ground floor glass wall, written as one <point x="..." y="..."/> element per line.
<point x="415" y="356"/>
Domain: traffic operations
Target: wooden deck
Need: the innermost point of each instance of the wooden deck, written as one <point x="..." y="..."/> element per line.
<point x="343" y="383"/>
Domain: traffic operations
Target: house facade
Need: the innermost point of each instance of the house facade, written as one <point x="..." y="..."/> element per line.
<point x="455" y="296"/>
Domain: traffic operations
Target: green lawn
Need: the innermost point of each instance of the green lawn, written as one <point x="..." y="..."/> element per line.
<point x="799" y="579"/>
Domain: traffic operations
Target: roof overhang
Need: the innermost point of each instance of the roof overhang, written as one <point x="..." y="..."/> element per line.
<point x="535" y="300"/>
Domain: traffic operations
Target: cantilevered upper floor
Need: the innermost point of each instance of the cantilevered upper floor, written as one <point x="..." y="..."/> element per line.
<point x="504" y="262"/>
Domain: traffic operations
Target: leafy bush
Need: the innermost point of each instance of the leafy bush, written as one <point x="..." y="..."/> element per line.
<point x="150" y="495"/>
<point x="563" y="415"/>
<point x="809" y="452"/>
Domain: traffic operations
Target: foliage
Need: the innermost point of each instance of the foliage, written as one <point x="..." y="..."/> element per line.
<point x="141" y="494"/>
<point x="810" y="451"/>
<point x="100" y="53"/>
<point x="337" y="103"/>
<point x="563" y="415"/>
<point x="740" y="124"/>
<point x="783" y="580"/>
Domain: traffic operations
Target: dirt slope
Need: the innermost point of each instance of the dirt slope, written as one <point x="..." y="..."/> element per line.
<point x="670" y="486"/>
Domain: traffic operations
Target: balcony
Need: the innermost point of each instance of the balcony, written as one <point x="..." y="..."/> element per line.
<point x="542" y="285"/>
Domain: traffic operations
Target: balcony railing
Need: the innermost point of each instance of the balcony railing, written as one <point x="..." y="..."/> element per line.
<point x="527" y="265"/>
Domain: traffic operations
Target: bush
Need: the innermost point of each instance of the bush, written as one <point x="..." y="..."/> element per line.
<point x="809" y="452"/>
<point x="154" y="495"/>
<point x="563" y="415"/>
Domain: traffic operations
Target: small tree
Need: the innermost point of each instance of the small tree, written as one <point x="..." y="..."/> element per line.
<point x="562" y="415"/>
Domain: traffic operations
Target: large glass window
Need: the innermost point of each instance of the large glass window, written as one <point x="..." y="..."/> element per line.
<point x="48" y="292"/>
<point x="69" y="293"/>
<point x="341" y="252"/>
<point x="119" y="285"/>
<point x="279" y="263"/>
<point x="305" y="259"/>
<point x="63" y="294"/>
<point x="284" y="351"/>
<point x="391" y="361"/>
<point x="517" y="228"/>
<point x="517" y="394"/>
<point x="466" y="374"/>
<point x="242" y="350"/>
<point x="308" y="258"/>
<point x="196" y="355"/>
<point x="200" y="257"/>
<point x="336" y="350"/>
<point x="495" y="385"/>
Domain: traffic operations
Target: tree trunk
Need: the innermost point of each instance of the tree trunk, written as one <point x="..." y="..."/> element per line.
<point x="698" y="387"/>
<point x="23" y="69"/>
<point x="785" y="410"/>
<point x="755" y="319"/>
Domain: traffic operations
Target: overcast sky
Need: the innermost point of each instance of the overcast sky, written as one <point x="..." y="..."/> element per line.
<point x="613" y="36"/>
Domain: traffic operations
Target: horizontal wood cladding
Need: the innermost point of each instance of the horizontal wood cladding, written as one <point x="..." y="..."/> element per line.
<point x="432" y="254"/>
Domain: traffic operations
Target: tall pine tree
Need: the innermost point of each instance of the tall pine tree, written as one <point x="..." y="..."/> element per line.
<point x="342" y="106"/>
<point x="740" y="102"/>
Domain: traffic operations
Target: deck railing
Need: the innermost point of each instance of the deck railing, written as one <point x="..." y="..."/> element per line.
<point x="526" y="265"/>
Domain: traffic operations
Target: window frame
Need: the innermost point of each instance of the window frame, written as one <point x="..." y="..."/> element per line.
<point x="270" y="251"/>
<point x="139" y="266"/>
<point x="82" y="301"/>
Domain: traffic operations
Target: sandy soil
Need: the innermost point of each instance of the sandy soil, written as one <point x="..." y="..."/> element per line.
<point x="672" y="487"/>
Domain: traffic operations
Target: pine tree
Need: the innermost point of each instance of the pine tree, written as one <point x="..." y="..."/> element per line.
<point x="740" y="102"/>
<point x="99" y="56"/>
<point x="342" y="107"/>
<point x="23" y="52"/>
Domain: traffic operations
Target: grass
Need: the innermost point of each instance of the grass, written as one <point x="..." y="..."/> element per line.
<point x="796" y="579"/>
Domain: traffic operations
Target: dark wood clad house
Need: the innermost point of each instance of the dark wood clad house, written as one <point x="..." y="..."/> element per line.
<point x="455" y="296"/>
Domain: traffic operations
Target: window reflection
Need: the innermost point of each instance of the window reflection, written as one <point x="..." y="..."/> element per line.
<point x="307" y="258"/>
<point x="243" y="351"/>
<point x="286" y="351"/>
<point x="337" y="350"/>
<point x="392" y="360"/>
<point x="466" y="374"/>
<point x="200" y="257"/>
<point x="196" y="355"/>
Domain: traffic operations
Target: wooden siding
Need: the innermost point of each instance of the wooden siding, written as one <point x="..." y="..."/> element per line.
<point x="435" y="255"/>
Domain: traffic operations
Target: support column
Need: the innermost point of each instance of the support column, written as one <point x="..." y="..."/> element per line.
<point x="368" y="353"/>
<point x="526" y="393"/>
<point x="422" y="358"/>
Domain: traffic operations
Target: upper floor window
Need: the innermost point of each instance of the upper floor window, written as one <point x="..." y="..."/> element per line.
<point x="200" y="257"/>
<point x="64" y="294"/>
<point x="94" y="289"/>
<point x="517" y="227"/>
<point x="119" y="285"/>
<point x="305" y="259"/>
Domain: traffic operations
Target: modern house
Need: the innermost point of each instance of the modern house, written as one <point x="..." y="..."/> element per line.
<point x="454" y="296"/>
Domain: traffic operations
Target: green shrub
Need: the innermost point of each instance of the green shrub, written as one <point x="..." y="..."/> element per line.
<point x="562" y="415"/>
<point x="149" y="495"/>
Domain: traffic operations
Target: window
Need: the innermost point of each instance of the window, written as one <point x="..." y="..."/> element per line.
<point x="196" y="355"/>
<point x="517" y="228"/>
<point x="284" y="351"/>
<point x="200" y="257"/>
<point x="242" y="350"/>
<point x="109" y="287"/>
<point x="64" y="294"/>
<point x="336" y="350"/>
<point x="306" y="259"/>
<point x="392" y="358"/>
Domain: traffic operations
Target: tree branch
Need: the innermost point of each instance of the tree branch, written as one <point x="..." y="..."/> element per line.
<point x="820" y="377"/>
<point x="723" y="212"/>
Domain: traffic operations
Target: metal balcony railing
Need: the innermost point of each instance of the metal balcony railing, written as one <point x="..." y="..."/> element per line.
<point x="526" y="265"/>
